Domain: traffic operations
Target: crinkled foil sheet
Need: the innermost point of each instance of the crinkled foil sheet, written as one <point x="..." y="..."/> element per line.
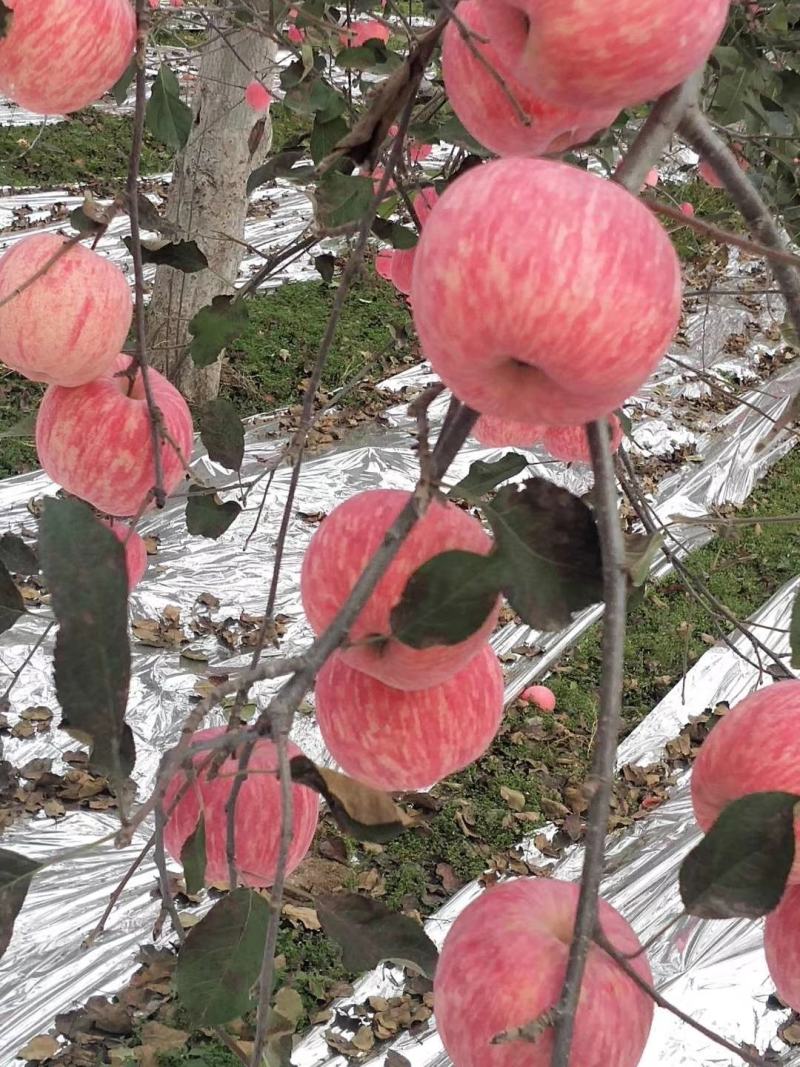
<point x="46" y="970"/>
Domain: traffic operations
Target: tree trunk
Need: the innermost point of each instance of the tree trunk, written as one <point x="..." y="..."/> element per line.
<point x="208" y="202"/>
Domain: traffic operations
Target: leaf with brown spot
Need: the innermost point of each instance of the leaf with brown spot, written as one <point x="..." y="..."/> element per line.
<point x="360" y="811"/>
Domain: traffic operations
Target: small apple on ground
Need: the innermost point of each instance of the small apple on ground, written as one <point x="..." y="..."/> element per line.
<point x="755" y="748"/>
<point x="94" y="440"/>
<point x="67" y="327"/>
<point x="540" y="695"/>
<point x="503" y="964"/>
<point x="603" y="55"/>
<point x="336" y="557"/>
<point x="541" y="288"/>
<point x="59" y="56"/>
<point x="485" y="106"/>
<point x="398" y="740"/>
<point x="782" y="947"/>
<point x="258" y="814"/>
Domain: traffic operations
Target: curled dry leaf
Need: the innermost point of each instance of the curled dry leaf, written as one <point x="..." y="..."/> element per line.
<point x="362" y="812"/>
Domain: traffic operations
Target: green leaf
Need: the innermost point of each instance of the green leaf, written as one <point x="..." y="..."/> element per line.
<point x="548" y="552"/>
<point x="206" y="516"/>
<point x="168" y="118"/>
<point x="215" y="326"/>
<point x="222" y="433"/>
<point x="325" y="265"/>
<point x="26" y="427"/>
<point x="368" y="933"/>
<point x="640" y="551"/>
<point x="342" y="199"/>
<point x="11" y="603"/>
<point x="740" y="868"/>
<point x="484" y="476"/>
<point x="278" y="166"/>
<point x="220" y="960"/>
<point x="794" y="633"/>
<point x="120" y="89"/>
<point x="325" y="136"/>
<point x="398" y="236"/>
<point x="372" y="56"/>
<point x="361" y="812"/>
<point x="193" y="857"/>
<point x="446" y="600"/>
<point x="180" y="255"/>
<point x="18" y="556"/>
<point x="15" y="878"/>
<point x="84" y="567"/>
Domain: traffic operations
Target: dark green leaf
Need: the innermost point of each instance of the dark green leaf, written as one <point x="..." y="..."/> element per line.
<point x="398" y="236"/>
<point x="6" y="15"/>
<point x="547" y="550"/>
<point x="11" y="603"/>
<point x="222" y="433"/>
<point x="278" y="166"/>
<point x="220" y="960"/>
<point x="794" y="633"/>
<point x="363" y="813"/>
<point x="740" y="868"/>
<point x="84" y="567"/>
<point x="342" y="199"/>
<point x="214" y="327"/>
<point x="373" y="56"/>
<point x="120" y="89"/>
<point x="326" y="102"/>
<point x="184" y="256"/>
<point x="325" y="136"/>
<point x="206" y="516"/>
<point x="168" y="118"/>
<point x="368" y="933"/>
<point x="325" y="264"/>
<point x="454" y="132"/>
<point x="484" y="476"/>
<point x="446" y="600"/>
<point x="15" y="878"/>
<point x="193" y="857"/>
<point x="18" y="556"/>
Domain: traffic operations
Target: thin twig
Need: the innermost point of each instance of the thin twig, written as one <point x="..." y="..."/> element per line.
<point x="156" y="418"/>
<point x="167" y="902"/>
<point x="607" y="735"/>
<point x="624" y="964"/>
<point x="16" y="675"/>
<point x="117" y="893"/>
<point x="644" y="153"/>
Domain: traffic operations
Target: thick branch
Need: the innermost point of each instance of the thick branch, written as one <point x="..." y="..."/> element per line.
<point x="696" y="129"/>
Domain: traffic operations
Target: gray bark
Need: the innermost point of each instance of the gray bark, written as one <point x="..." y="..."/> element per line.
<point x="207" y="200"/>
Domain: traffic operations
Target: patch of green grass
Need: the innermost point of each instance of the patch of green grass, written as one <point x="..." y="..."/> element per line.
<point x="711" y="205"/>
<point x="19" y="399"/>
<point x="92" y="149"/>
<point x="204" y="1054"/>
<point x="271" y="360"/>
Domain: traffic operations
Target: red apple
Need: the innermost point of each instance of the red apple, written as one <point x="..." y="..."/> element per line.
<point x="495" y="432"/>
<point x="503" y="964"/>
<point x="487" y="111"/>
<point x="258" y="815"/>
<point x="539" y="287"/>
<point x="135" y="551"/>
<point x="68" y="326"/>
<point x="755" y="748"/>
<point x="94" y="440"/>
<point x="571" y="445"/>
<point x="782" y="947"/>
<point x="540" y="695"/>
<point x="60" y="55"/>
<point x="604" y="55"/>
<point x="710" y="176"/>
<point x="394" y="739"/>
<point x="336" y="557"/>
<point x="358" y="33"/>
<point x="397" y="265"/>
